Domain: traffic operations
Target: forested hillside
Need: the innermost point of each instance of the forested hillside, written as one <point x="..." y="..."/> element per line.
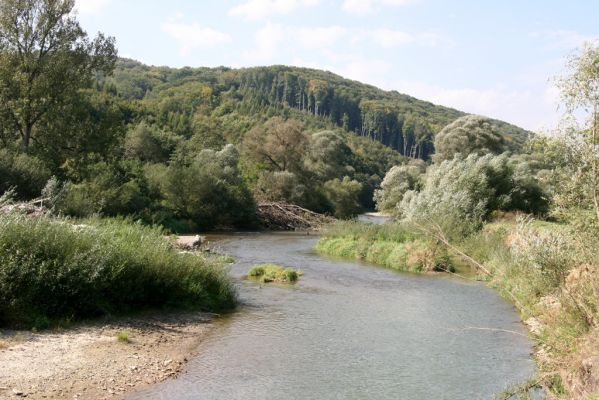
<point x="319" y="98"/>
<point x="195" y="149"/>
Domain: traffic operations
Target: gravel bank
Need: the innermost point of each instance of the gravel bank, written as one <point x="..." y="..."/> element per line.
<point x="89" y="362"/>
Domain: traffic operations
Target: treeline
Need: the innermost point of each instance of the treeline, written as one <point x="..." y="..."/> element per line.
<point x="406" y="124"/>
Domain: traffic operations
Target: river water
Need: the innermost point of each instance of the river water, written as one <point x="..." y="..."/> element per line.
<point x="351" y="331"/>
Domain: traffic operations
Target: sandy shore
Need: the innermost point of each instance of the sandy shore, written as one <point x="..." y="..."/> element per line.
<point x="89" y="362"/>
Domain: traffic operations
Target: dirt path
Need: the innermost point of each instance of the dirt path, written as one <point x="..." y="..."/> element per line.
<point x="89" y="362"/>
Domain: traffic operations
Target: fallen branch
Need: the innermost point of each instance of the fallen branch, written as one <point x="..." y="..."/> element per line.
<point x="284" y="216"/>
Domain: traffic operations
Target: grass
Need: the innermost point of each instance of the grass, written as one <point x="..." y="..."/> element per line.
<point x="550" y="272"/>
<point x="53" y="269"/>
<point x="124" y="337"/>
<point x="273" y="273"/>
<point x="389" y="245"/>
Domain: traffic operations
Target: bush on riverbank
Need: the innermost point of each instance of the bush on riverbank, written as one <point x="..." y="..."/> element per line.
<point x="550" y="272"/>
<point x="273" y="273"/>
<point x="389" y="245"/>
<point x="51" y="269"/>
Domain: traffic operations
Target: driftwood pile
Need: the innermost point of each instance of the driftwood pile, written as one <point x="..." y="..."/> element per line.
<point x="289" y="217"/>
<point x="32" y="208"/>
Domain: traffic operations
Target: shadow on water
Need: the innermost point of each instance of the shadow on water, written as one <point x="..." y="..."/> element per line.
<point x="351" y="331"/>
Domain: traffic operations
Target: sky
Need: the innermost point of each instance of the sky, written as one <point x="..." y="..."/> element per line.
<point x="497" y="58"/>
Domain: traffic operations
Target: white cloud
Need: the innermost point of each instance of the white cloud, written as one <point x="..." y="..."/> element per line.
<point x="563" y="39"/>
<point x="91" y="6"/>
<point x="358" y="7"/>
<point x="270" y="37"/>
<point x="364" y="7"/>
<point x="369" y="71"/>
<point x="535" y="108"/>
<point x="319" y="38"/>
<point x="194" y="36"/>
<point x="269" y="40"/>
<point x="392" y="38"/>
<point x="258" y="9"/>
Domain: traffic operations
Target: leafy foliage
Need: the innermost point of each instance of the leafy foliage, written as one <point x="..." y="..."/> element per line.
<point x="273" y="273"/>
<point x="45" y="59"/>
<point x="471" y="134"/>
<point x="52" y="269"/>
<point x="459" y="194"/>
<point x="396" y="184"/>
<point x="343" y="195"/>
<point x="26" y="174"/>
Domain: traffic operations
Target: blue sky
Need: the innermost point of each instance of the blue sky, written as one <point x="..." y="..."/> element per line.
<point x="489" y="57"/>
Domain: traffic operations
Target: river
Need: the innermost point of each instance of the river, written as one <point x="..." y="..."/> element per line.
<point x="352" y="331"/>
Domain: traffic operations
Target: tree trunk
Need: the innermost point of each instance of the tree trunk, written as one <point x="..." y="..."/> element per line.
<point x="26" y="138"/>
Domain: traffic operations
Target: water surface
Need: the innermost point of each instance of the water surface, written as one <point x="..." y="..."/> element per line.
<point x="350" y="331"/>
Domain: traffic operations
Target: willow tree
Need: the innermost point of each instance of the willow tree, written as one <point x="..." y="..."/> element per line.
<point x="580" y="93"/>
<point x="45" y="59"/>
<point x="278" y="144"/>
<point x="470" y="134"/>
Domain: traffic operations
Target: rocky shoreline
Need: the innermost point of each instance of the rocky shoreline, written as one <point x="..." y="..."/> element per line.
<point x="90" y="362"/>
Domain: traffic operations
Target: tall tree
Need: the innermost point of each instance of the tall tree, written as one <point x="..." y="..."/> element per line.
<point x="280" y="144"/>
<point x="580" y="92"/>
<point x="45" y="59"/>
<point x="470" y="134"/>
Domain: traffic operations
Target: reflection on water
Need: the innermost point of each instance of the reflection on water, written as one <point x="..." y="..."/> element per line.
<point x="348" y="331"/>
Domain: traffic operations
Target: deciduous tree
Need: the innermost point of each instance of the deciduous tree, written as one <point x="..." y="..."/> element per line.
<point x="45" y="59"/>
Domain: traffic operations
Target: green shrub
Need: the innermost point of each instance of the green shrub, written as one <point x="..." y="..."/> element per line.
<point x="273" y="273"/>
<point x="397" y="182"/>
<point x="124" y="337"/>
<point x="208" y="191"/>
<point x="26" y="174"/>
<point x="344" y="196"/>
<point x="54" y="269"/>
<point x="110" y="190"/>
<point x="459" y="195"/>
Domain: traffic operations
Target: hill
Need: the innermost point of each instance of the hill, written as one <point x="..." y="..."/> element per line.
<point x="236" y="99"/>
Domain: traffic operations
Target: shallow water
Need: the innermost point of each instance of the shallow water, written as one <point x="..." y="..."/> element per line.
<point x="351" y="331"/>
<point x="374" y="218"/>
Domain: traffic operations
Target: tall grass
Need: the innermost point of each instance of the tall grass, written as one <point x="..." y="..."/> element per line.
<point x="390" y="245"/>
<point x="551" y="273"/>
<point x="361" y="230"/>
<point x="52" y="269"/>
<point x="273" y="273"/>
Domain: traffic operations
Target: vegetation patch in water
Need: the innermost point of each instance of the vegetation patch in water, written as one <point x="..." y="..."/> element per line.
<point x="273" y="273"/>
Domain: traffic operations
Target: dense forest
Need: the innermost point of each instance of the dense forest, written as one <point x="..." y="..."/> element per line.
<point x="402" y="122"/>
<point x="197" y="148"/>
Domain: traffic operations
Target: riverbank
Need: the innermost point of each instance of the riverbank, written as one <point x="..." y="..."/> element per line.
<point x="91" y="362"/>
